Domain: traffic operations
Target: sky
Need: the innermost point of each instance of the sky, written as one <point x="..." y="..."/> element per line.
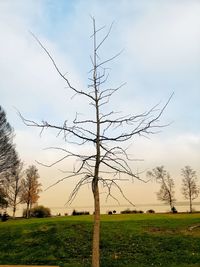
<point x="161" y="55"/>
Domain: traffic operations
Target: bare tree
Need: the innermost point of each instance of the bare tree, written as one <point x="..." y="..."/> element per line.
<point x="190" y="189"/>
<point x="30" y="188"/>
<point x="108" y="163"/>
<point x="13" y="187"/>
<point x="166" y="192"/>
<point x="8" y="155"/>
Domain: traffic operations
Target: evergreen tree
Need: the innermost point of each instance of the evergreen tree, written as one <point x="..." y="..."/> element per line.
<point x="8" y="155"/>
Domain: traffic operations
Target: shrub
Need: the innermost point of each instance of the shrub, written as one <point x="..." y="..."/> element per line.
<point x="38" y="212"/>
<point x="128" y="211"/>
<point x="150" y="211"/>
<point x="174" y="210"/>
<point x="4" y="217"/>
<point x="74" y="213"/>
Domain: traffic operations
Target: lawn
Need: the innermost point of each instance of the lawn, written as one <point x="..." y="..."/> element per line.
<point x="126" y="241"/>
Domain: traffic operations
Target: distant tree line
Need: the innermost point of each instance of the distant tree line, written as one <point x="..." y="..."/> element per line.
<point x="190" y="188"/>
<point x="128" y="211"/>
<point x="17" y="186"/>
<point x="20" y="187"/>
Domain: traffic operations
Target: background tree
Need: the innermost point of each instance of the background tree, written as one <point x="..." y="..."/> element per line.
<point x="8" y="155"/>
<point x="190" y="189"/>
<point x="104" y="130"/>
<point x="3" y="200"/>
<point x="166" y="192"/>
<point x="30" y="188"/>
<point x="13" y="186"/>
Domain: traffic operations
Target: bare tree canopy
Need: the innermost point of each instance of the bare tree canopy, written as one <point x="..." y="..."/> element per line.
<point x="13" y="186"/>
<point x="190" y="188"/>
<point x="166" y="192"/>
<point x="8" y="155"/>
<point x="30" y="188"/>
<point x="108" y="162"/>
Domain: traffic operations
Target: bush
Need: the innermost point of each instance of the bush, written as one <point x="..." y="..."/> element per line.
<point x="4" y="217"/>
<point x="150" y="211"/>
<point x="38" y="212"/>
<point x="110" y="212"/>
<point x="128" y="211"/>
<point x="174" y="210"/>
<point x="74" y="213"/>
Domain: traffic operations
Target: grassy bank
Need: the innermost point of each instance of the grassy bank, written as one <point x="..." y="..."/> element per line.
<point x="126" y="240"/>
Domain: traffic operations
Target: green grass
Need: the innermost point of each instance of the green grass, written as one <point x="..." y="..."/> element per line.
<point x="137" y="240"/>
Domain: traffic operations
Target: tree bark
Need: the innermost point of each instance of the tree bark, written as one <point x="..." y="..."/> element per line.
<point x="15" y="201"/>
<point x="27" y="210"/>
<point x="190" y="196"/>
<point x="95" y="186"/>
<point x="14" y="210"/>
<point x="96" y="229"/>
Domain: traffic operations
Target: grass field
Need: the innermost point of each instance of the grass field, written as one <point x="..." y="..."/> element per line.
<point x="126" y="241"/>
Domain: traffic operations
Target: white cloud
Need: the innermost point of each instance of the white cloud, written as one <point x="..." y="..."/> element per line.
<point x="174" y="152"/>
<point x="166" y="37"/>
<point x="29" y="81"/>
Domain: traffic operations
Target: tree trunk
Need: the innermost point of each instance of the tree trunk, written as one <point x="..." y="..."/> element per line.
<point x="95" y="186"/>
<point x="14" y="204"/>
<point x="170" y="201"/>
<point x="14" y="210"/>
<point x="96" y="229"/>
<point x="190" y="203"/>
<point x="27" y="210"/>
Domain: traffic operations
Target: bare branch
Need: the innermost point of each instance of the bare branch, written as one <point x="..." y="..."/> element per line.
<point x="113" y="182"/>
<point x="69" y="130"/>
<point x="58" y="70"/>
<point x="64" y="178"/>
<point x="105" y="37"/>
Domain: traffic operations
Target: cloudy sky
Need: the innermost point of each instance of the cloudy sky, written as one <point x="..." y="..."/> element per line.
<point x="161" y="55"/>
